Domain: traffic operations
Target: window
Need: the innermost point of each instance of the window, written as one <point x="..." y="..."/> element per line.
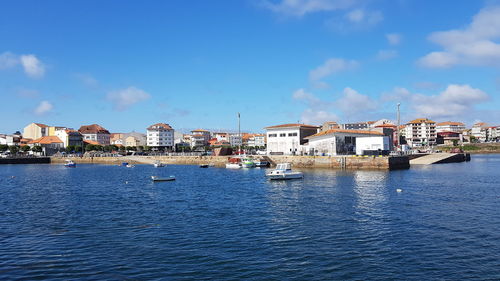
<point x="292" y="134"/>
<point x="283" y="135"/>
<point x="273" y="135"/>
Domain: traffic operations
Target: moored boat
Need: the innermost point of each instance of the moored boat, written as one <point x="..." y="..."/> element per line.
<point x="70" y="164"/>
<point x="234" y="163"/>
<point x="204" y="165"/>
<point x="247" y="163"/>
<point x="284" y="171"/>
<point x="262" y="163"/>
<point x="155" y="178"/>
<point x="158" y="164"/>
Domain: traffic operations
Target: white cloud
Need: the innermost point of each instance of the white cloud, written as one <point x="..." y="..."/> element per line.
<point x="315" y="117"/>
<point x="33" y="67"/>
<point x="43" y="108"/>
<point x="472" y="45"/>
<point x="355" y="20"/>
<point x="87" y="79"/>
<point x="454" y="102"/>
<point x="8" y="60"/>
<point x="387" y="54"/>
<point x="353" y="103"/>
<point x="299" y="8"/>
<point x="301" y="94"/>
<point x="331" y="66"/>
<point x="393" y="38"/>
<point x="125" y="98"/>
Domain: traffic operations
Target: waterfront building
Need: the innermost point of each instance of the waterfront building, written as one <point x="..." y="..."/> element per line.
<point x="480" y="131"/>
<point x="116" y="138"/>
<point x="449" y="138"/>
<point x="199" y="137"/>
<point x="329" y="125"/>
<point x="449" y="126"/>
<point x="52" y="130"/>
<point x="420" y="132"/>
<point x="160" y="136"/>
<point x="49" y="144"/>
<point x="95" y="133"/>
<point x="9" y="139"/>
<point x="35" y="131"/>
<point x="493" y="134"/>
<point x="343" y="142"/>
<point x="288" y="139"/>
<point x="257" y="140"/>
<point x="69" y="137"/>
<point x="221" y="137"/>
<point x="235" y="139"/>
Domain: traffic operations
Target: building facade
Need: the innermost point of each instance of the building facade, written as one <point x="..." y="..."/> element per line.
<point x="95" y="133"/>
<point x="343" y="142"/>
<point x="449" y="126"/>
<point x="199" y="138"/>
<point x="35" y="131"/>
<point x="421" y="132"/>
<point x="69" y="137"/>
<point x="160" y="136"/>
<point x="288" y="139"/>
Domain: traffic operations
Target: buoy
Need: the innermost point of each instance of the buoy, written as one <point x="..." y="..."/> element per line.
<point x="399" y="190"/>
<point x="13" y="177"/>
<point x="126" y="182"/>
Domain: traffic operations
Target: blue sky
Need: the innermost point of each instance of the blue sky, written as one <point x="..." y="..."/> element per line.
<point x="195" y="64"/>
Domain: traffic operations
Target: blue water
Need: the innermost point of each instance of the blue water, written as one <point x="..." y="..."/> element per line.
<point x="99" y="222"/>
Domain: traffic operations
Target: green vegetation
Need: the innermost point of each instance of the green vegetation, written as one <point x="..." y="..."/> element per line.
<point x="4" y="147"/>
<point x="13" y="149"/>
<point x="37" y="149"/>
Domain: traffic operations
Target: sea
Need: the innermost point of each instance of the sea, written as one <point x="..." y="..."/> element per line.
<point x="108" y="222"/>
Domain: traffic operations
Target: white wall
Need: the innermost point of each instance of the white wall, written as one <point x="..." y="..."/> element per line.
<point x="285" y="144"/>
<point x="371" y="143"/>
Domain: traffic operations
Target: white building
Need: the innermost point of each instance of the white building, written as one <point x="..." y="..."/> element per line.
<point x="420" y="132"/>
<point x="95" y="133"/>
<point x="69" y="137"/>
<point x="480" y="131"/>
<point x="257" y="140"/>
<point x="493" y="133"/>
<point x="7" y="140"/>
<point x="221" y="137"/>
<point x="449" y="126"/>
<point x="373" y="144"/>
<point x="160" y="136"/>
<point x="342" y="142"/>
<point x="288" y="139"/>
<point x="199" y="137"/>
<point x="235" y="139"/>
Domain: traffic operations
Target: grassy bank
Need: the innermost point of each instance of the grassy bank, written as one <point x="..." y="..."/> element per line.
<point x="476" y="148"/>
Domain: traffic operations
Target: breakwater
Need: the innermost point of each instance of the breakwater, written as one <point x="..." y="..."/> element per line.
<point x="25" y="160"/>
<point x="333" y="162"/>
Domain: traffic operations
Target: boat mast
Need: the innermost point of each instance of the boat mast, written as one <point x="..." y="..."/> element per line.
<point x="239" y="135"/>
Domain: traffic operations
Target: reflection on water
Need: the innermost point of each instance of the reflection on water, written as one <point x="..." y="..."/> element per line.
<point x="113" y="223"/>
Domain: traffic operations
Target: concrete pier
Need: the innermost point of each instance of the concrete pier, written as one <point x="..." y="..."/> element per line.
<point x="440" y="158"/>
<point x="332" y="162"/>
<point x="25" y="160"/>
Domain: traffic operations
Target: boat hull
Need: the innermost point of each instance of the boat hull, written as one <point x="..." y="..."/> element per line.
<point x="291" y="176"/>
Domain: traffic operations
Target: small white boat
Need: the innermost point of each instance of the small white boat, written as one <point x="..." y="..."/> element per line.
<point x="158" y="164"/>
<point x="262" y="163"/>
<point x="284" y="171"/>
<point x="70" y="164"/>
<point x="130" y="166"/>
<point x="233" y="166"/>
<point x="155" y="178"/>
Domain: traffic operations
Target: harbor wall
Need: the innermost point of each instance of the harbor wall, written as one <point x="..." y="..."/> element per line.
<point x="334" y="162"/>
<point x="25" y="160"/>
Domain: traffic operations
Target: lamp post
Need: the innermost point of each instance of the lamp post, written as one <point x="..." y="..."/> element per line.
<point x="397" y="128"/>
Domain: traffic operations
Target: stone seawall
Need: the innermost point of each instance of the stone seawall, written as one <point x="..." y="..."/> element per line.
<point x="37" y="160"/>
<point x="337" y="162"/>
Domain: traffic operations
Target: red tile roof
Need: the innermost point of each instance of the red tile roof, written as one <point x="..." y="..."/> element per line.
<point x="421" y="120"/>
<point x="450" y="123"/>
<point x="359" y="132"/>
<point x="91" y="142"/>
<point x="199" y="130"/>
<point x="160" y="126"/>
<point x="291" y="126"/>
<point x="92" y="129"/>
<point x="41" y="125"/>
<point x="46" y="140"/>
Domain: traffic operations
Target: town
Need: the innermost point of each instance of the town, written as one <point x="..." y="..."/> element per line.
<point x="379" y="137"/>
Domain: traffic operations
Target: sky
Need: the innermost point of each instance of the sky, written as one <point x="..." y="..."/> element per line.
<point x="195" y="64"/>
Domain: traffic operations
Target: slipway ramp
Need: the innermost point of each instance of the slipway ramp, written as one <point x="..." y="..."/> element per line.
<point x="438" y="158"/>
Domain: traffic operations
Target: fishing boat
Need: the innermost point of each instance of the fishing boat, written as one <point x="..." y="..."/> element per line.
<point x="124" y="164"/>
<point x="204" y="165"/>
<point x="156" y="179"/>
<point x="158" y="164"/>
<point x="130" y="166"/>
<point x="262" y="163"/>
<point x="247" y="163"/>
<point x="284" y="171"/>
<point x="70" y="164"/>
<point x="234" y="163"/>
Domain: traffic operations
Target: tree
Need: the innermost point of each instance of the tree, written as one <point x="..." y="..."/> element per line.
<point x="13" y="149"/>
<point x="78" y="149"/>
<point x="25" y="148"/>
<point x="3" y="147"/>
<point x="70" y="148"/>
<point x="455" y="142"/>
<point x="89" y="147"/>
<point x="37" y="149"/>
